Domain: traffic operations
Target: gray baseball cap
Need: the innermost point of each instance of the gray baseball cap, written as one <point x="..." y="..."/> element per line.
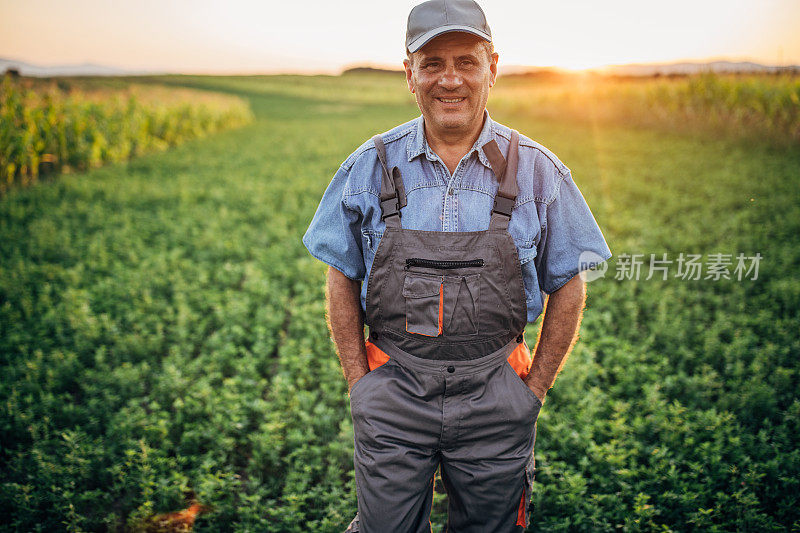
<point x="435" y="17"/>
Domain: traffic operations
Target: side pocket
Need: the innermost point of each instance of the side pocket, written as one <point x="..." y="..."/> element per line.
<point x="362" y="386"/>
<point x="423" y="294"/>
<point x="519" y="383"/>
<point x="357" y="385"/>
<point x="461" y="304"/>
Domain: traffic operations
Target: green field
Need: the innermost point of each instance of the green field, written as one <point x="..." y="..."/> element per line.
<point x="162" y="330"/>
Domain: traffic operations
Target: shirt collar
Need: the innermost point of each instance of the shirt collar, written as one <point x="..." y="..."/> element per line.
<point x="418" y="145"/>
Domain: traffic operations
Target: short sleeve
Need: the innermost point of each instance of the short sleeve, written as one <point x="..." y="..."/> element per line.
<point x="334" y="235"/>
<point x="571" y="239"/>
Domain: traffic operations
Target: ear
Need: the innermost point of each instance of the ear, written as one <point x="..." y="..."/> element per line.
<point x="493" y="69"/>
<point x="409" y="75"/>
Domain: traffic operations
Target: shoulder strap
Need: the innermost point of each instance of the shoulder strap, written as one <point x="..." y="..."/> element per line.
<point x="505" y="170"/>
<point x="393" y="193"/>
<point x="495" y="157"/>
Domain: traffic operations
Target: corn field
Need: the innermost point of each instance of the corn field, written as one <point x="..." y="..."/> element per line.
<point x="54" y="127"/>
<point x="763" y="107"/>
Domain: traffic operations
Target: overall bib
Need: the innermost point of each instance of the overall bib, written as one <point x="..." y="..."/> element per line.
<point x="446" y="313"/>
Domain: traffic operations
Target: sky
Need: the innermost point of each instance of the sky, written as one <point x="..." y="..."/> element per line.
<point x="244" y="36"/>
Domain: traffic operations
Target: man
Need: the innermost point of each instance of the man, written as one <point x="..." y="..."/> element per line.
<point x="458" y="227"/>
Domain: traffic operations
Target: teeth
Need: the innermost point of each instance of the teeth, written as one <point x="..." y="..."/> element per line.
<point x="450" y="100"/>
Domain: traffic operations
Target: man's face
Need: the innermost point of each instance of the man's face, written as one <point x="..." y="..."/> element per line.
<point x="450" y="77"/>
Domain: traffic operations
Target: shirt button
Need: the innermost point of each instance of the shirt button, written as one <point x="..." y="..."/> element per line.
<point x="451" y="369"/>
<point x="450" y="192"/>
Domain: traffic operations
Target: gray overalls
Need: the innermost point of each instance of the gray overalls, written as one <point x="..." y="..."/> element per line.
<point x="446" y="313"/>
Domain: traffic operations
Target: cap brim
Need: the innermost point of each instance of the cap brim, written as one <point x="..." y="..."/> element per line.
<point x="423" y="39"/>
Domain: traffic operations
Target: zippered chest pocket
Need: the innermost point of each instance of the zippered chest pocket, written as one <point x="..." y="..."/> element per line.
<point x="439" y="304"/>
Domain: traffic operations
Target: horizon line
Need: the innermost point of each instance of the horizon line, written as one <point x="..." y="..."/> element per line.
<point x="514" y="68"/>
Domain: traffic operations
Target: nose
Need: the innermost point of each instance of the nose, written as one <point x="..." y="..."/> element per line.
<point x="450" y="79"/>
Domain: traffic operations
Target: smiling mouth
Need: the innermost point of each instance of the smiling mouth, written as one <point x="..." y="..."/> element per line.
<point x="451" y="100"/>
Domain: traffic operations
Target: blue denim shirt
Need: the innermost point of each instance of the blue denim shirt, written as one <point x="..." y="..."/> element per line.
<point x="551" y="224"/>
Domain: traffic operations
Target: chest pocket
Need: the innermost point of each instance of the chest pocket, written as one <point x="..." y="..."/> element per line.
<point x="437" y="304"/>
<point x="424" y="295"/>
<point x="461" y="304"/>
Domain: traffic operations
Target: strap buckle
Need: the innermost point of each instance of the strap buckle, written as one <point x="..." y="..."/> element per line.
<point x="390" y="206"/>
<point x="503" y="205"/>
